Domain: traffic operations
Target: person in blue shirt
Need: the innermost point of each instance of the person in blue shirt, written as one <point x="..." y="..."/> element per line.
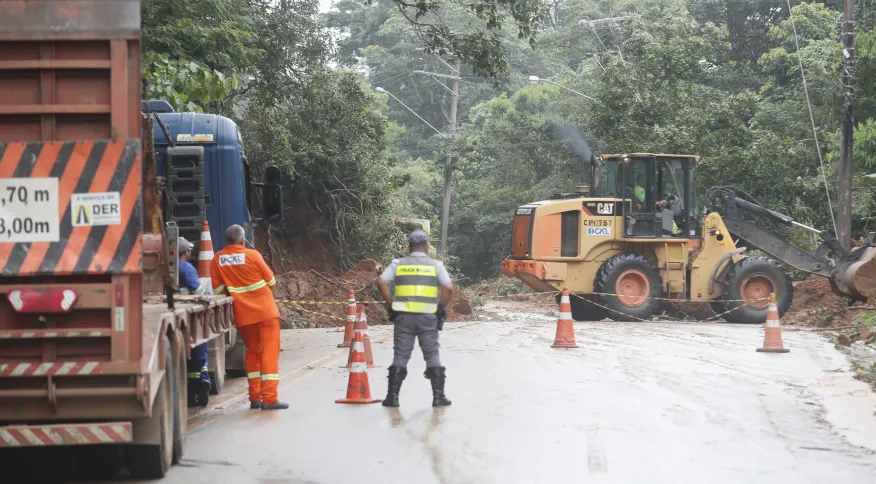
<point x="199" y="376"/>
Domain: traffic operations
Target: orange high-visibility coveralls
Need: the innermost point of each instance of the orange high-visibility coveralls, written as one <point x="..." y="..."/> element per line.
<point x="243" y="274"/>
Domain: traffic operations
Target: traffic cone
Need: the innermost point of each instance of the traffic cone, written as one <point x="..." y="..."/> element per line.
<point x="351" y="320"/>
<point x="565" y="332"/>
<point x="361" y="328"/>
<point x="358" y="389"/>
<point x="205" y="257"/>
<point x="772" y="339"/>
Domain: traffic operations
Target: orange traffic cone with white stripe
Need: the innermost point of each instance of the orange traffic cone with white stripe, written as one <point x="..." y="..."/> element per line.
<point x="205" y="256"/>
<point x="565" y="332"/>
<point x="351" y="320"/>
<point x="772" y="339"/>
<point x="362" y="329"/>
<point x="358" y="389"/>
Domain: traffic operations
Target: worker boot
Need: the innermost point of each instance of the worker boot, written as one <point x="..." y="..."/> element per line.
<point x="203" y="393"/>
<point x="397" y="375"/>
<point x="256" y="405"/>
<point x="275" y="406"/>
<point x="437" y="375"/>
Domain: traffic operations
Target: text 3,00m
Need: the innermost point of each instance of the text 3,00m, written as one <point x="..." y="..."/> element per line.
<point x="25" y="225"/>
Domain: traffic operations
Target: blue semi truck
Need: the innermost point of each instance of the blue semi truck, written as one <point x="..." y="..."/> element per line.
<point x="207" y="176"/>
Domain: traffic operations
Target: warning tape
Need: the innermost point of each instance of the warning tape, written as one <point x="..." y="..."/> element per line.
<point x="716" y="316"/>
<point x="299" y="308"/>
<point x="665" y="299"/>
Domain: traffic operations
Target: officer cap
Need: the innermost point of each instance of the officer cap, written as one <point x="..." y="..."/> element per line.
<point x="184" y="245"/>
<point x="418" y="237"/>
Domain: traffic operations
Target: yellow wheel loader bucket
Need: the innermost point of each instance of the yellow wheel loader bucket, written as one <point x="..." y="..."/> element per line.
<point x="858" y="278"/>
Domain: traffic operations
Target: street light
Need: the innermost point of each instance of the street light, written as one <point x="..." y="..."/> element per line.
<point x="536" y="80"/>
<point x="384" y="91"/>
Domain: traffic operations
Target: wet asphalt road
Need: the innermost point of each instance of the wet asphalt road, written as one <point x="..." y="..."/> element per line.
<point x="636" y="403"/>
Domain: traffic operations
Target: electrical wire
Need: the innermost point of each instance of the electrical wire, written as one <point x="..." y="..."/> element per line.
<point x="812" y="117"/>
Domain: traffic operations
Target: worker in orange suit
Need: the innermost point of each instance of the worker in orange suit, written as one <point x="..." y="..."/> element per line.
<point x="243" y="274"/>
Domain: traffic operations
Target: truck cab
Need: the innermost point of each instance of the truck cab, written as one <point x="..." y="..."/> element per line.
<point x="203" y="160"/>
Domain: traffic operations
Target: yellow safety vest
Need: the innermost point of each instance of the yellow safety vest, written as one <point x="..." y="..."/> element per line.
<point x="416" y="286"/>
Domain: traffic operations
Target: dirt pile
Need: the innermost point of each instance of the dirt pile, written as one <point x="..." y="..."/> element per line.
<point x="815" y="304"/>
<point x="311" y="299"/>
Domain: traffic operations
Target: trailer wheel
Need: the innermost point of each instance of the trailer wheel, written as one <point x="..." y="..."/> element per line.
<point x="235" y="357"/>
<point x="628" y="285"/>
<point x="152" y="461"/>
<point x="98" y="462"/>
<point x="217" y="377"/>
<point x="749" y="282"/>
<point x="181" y="399"/>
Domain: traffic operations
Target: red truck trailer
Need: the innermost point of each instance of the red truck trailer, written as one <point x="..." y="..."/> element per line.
<point x="93" y="339"/>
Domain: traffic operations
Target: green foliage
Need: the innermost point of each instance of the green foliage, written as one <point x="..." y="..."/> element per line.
<point x="716" y="78"/>
<point x="186" y="85"/>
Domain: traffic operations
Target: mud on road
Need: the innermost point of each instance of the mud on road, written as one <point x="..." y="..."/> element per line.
<point x="635" y="403"/>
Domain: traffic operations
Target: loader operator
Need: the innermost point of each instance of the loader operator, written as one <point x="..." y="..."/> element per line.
<point x="198" y="373"/>
<point x="243" y="274"/>
<point x="418" y="311"/>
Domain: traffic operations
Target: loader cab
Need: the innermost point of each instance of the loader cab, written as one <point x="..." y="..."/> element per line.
<point x="656" y="190"/>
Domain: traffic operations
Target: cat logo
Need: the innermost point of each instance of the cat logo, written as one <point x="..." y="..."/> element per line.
<point x="605" y="208"/>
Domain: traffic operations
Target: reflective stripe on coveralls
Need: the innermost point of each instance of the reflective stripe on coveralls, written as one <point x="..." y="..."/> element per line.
<point x="416" y="286"/>
<point x="262" y="342"/>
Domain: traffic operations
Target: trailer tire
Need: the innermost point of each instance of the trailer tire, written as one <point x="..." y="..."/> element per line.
<point x="181" y="397"/>
<point x="152" y="461"/>
<point x="640" y="282"/>
<point x="755" y="278"/>
<point x="217" y="377"/>
<point x="235" y="366"/>
<point x="98" y="462"/>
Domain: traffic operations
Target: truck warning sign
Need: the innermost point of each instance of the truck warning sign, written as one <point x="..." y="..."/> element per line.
<point x="29" y="210"/>
<point x="95" y="209"/>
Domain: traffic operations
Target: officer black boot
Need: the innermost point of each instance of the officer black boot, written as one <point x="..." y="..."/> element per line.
<point x="397" y="375"/>
<point x="437" y="374"/>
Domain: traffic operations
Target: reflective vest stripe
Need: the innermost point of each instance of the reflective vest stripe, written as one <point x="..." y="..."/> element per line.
<point x="414" y="307"/>
<point x="251" y="287"/>
<point x="219" y="290"/>
<point x="272" y="281"/>
<point x="255" y="374"/>
<point x="195" y="374"/>
<point x="416" y="291"/>
<point x="270" y="376"/>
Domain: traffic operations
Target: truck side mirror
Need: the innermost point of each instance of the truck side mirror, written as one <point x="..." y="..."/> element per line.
<point x="273" y="195"/>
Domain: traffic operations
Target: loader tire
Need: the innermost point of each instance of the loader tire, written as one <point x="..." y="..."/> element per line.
<point x="628" y="285"/>
<point x="748" y="285"/>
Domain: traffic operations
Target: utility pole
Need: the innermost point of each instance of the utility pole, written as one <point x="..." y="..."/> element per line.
<point x="448" y="162"/>
<point x="844" y="197"/>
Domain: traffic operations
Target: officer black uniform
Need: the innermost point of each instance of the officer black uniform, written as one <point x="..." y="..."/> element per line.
<point x="421" y="289"/>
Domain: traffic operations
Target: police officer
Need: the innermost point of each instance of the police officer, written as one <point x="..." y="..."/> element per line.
<point x="422" y="289"/>
<point x="198" y="373"/>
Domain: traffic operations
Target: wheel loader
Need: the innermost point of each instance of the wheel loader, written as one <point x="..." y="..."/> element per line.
<point x="633" y="239"/>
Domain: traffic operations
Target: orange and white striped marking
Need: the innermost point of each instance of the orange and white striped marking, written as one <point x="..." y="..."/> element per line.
<point x="351" y="320"/>
<point x="69" y="368"/>
<point x="358" y="389"/>
<point x="205" y="257"/>
<point x="71" y="434"/>
<point x="565" y="337"/>
<point x="772" y="340"/>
